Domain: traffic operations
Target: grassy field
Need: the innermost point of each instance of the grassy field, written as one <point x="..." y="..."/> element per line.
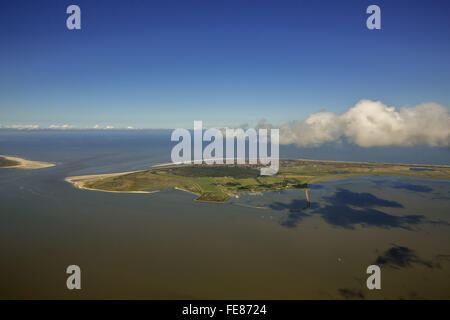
<point x="219" y="183"/>
<point x="7" y="163"/>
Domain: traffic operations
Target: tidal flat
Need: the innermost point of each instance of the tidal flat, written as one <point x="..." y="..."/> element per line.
<point x="167" y="246"/>
<point x="20" y="163"/>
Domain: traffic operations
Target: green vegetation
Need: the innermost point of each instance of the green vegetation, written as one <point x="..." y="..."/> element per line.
<point x="210" y="183"/>
<point x="220" y="182"/>
<point x="215" y="171"/>
<point x="7" y="163"/>
<point x="316" y="171"/>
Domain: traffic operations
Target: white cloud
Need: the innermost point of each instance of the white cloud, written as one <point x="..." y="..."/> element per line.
<point x="21" y="126"/>
<point x="108" y="127"/>
<point x="61" y="127"/>
<point x="372" y="123"/>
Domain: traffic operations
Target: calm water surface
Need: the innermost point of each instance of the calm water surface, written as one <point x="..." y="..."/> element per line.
<point x="166" y="245"/>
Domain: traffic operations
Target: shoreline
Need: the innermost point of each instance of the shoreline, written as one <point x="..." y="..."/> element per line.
<point x="188" y="163"/>
<point x="24" y="164"/>
<point x="375" y="163"/>
<point x="79" y="181"/>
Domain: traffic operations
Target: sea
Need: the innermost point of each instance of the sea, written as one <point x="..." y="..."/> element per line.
<point x="165" y="245"/>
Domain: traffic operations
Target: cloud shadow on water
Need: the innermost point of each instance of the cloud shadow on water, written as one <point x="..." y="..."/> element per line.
<point x="347" y="217"/>
<point x="411" y="187"/>
<point x="349" y="209"/>
<point x="296" y="210"/>
<point x="294" y="205"/>
<point x="402" y="257"/>
<point x="403" y="185"/>
<point x="351" y="293"/>
<point x="363" y="200"/>
<point x="293" y="218"/>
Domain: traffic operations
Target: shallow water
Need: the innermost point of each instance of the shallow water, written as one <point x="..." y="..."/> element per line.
<point x="165" y="245"/>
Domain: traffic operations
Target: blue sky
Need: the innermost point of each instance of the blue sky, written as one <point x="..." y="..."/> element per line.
<point x="164" y="64"/>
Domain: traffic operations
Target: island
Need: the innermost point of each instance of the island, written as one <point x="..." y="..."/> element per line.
<point x="218" y="183"/>
<point x="19" y="163"/>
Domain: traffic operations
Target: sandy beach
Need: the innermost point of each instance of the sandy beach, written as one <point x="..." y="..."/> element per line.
<point x="79" y="182"/>
<point x="27" y="164"/>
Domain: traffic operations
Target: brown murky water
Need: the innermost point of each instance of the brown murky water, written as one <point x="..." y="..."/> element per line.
<point x="165" y="245"/>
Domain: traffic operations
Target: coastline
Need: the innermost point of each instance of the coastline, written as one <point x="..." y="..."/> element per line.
<point x="24" y="164"/>
<point x="369" y="169"/>
<point x="374" y="163"/>
<point x="80" y="181"/>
